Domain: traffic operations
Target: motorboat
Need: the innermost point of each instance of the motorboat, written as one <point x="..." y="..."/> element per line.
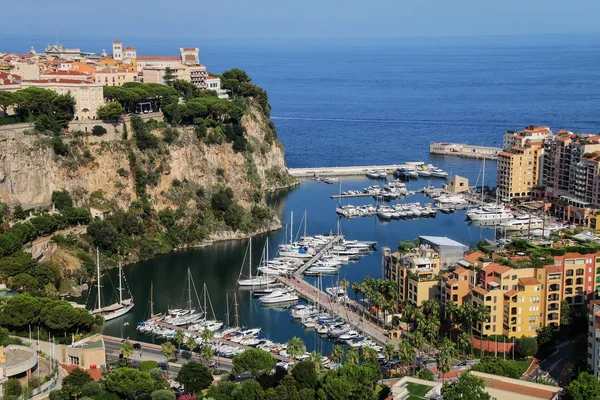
<point x="423" y="170"/>
<point x="437" y="172"/>
<point x="279" y="296"/>
<point x="491" y="212"/>
<point x="522" y="223"/>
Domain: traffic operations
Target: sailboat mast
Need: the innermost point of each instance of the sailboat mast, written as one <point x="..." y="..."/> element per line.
<point x="205" y="309"/>
<point x="305" y="223"/>
<point x="190" y="290"/>
<point x="291" y="228"/>
<point x="250" y="260"/>
<point x="237" y="317"/>
<point x="151" y="300"/>
<point x="120" y="284"/>
<point x="227" y="308"/>
<point x="483" y="179"/>
<point x="98" y="274"/>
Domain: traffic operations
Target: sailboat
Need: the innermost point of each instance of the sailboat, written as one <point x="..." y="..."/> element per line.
<point x="182" y="316"/>
<point x="210" y="324"/>
<point x="148" y="324"/>
<point x="252" y="281"/>
<point x="122" y="307"/>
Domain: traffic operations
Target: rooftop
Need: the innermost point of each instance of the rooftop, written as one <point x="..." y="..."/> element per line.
<point x="473" y="256"/>
<point x="510" y="293"/>
<point x="518" y="387"/>
<point x="442" y="241"/>
<point x="528" y="281"/>
<point x="159" y="58"/>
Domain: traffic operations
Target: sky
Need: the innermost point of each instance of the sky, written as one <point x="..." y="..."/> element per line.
<point x="311" y="19"/>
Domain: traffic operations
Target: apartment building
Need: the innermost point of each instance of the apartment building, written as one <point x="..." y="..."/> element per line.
<point x="519" y="164"/>
<point x="571" y="176"/>
<point x="115" y="76"/>
<point x="416" y="273"/>
<point x="593" y="356"/>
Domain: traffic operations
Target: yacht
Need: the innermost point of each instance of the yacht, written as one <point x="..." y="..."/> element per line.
<point x="437" y="172"/>
<point x="490" y="212"/>
<point x="375" y="174"/>
<point x="279" y="296"/>
<point x="115" y="310"/>
<point x="523" y="223"/>
<point x="249" y="280"/>
<point x="423" y="170"/>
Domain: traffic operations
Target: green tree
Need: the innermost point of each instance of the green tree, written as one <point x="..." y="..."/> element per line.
<point x="207" y="353"/>
<point x="12" y="387"/>
<point x="62" y="200"/>
<point x="74" y="383"/>
<point x="481" y="315"/>
<point x="467" y="387"/>
<point x="7" y="100"/>
<point x="163" y="394"/>
<point x="463" y="342"/>
<point x="451" y="312"/>
<point x="406" y="352"/>
<point x="585" y="387"/>
<point x="295" y="347"/>
<point x="352" y="356"/>
<point x="337" y="354"/>
<point x="389" y="351"/>
<point x="194" y="377"/>
<point x="248" y="390"/>
<point x="110" y="111"/>
<point x="34" y="100"/>
<point x="168" y="350"/>
<point x="148" y="365"/>
<point x="130" y="383"/>
<point x="179" y="338"/>
<point x="223" y="390"/>
<point x="104" y="235"/>
<point x="256" y="361"/>
<point x="92" y="389"/>
<point x="98" y="130"/>
<point x="305" y="374"/>
<point x="63" y="107"/>
<point x="425" y="374"/>
<point x="527" y="346"/>
<point x="349" y="382"/>
<point x="126" y="349"/>
<point x="206" y="335"/>
<point x="124" y="134"/>
<point x="191" y="343"/>
<point x="545" y="336"/>
<point x="168" y="77"/>
<point x="565" y="313"/>
<point x="444" y="363"/>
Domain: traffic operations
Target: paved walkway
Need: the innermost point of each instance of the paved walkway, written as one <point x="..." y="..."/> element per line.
<point x="314" y="295"/>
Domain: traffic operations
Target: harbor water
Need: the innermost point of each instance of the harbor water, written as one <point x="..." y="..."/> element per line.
<point x="218" y="266"/>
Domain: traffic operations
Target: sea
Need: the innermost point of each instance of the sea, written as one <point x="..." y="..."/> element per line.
<point x="344" y="102"/>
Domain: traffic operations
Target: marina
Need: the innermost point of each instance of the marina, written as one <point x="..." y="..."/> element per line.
<point x="464" y="150"/>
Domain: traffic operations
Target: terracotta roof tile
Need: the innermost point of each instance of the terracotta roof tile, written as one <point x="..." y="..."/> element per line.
<point x="473" y="256"/>
<point x="527" y="281"/>
<point x="159" y="58"/>
<point x="479" y="289"/>
<point x="552" y="269"/>
<point x="510" y="293"/>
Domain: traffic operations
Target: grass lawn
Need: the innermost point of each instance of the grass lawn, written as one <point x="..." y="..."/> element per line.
<point x="523" y="365"/>
<point x="417" y="391"/>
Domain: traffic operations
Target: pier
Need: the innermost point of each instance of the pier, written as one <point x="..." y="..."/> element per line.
<point x="464" y="150"/>
<point x="319" y="254"/>
<point x="341" y="171"/>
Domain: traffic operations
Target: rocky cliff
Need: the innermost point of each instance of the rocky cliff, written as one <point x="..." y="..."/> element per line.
<point x="107" y="170"/>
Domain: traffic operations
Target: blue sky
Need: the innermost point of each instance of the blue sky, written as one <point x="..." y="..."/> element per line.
<point x="300" y="19"/>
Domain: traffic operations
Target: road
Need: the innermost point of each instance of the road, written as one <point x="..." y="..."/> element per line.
<point x="556" y="363"/>
<point x="151" y="352"/>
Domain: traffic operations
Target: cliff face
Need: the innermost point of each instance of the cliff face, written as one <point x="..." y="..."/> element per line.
<point x="30" y="170"/>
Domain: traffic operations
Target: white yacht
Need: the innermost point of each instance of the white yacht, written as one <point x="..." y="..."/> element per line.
<point x="437" y="172"/>
<point x="279" y="296"/>
<point x="115" y="310"/>
<point x="489" y="212"/>
<point x="423" y="170"/>
<point x="523" y="223"/>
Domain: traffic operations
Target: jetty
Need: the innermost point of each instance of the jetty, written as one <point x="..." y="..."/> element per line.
<point x="464" y="150"/>
<point x="341" y="171"/>
<point x="320" y="253"/>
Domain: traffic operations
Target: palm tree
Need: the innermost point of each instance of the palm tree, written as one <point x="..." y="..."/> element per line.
<point x="344" y="284"/>
<point x="352" y="357"/>
<point x="451" y="312"/>
<point x="410" y="312"/>
<point x="206" y="335"/>
<point x="481" y="314"/>
<point x="179" y="337"/>
<point x="191" y="344"/>
<point x="295" y="347"/>
<point x="126" y="349"/>
<point x="206" y="353"/>
<point x="317" y="359"/>
<point x="467" y="317"/>
<point x="337" y="354"/>
<point x="444" y="363"/>
<point x="406" y="352"/>
<point x="168" y="349"/>
<point x="389" y="352"/>
<point x="356" y="289"/>
<point x="430" y="308"/>
<point x="368" y="354"/>
<point x="418" y="341"/>
<point x="463" y="342"/>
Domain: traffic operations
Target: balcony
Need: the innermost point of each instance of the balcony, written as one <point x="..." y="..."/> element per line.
<point x="553" y="307"/>
<point x="553" y="316"/>
<point x="553" y="297"/>
<point x="579" y="281"/>
<point x="569" y="281"/>
<point x="554" y="287"/>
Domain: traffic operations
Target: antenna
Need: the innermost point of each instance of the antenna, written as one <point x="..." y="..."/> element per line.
<point x="57" y="36"/>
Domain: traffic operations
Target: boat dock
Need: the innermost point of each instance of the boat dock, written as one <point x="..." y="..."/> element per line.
<point x="319" y="254"/>
<point x="348" y="196"/>
<point x="464" y="150"/>
<point x="316" y="296"/>
<point x="341" y="171"/>
<point x="222" y="341"/>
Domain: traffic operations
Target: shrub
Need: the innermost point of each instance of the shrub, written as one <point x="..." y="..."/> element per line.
<point x="98" y="130"/>
<point x="59" y="147"/>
